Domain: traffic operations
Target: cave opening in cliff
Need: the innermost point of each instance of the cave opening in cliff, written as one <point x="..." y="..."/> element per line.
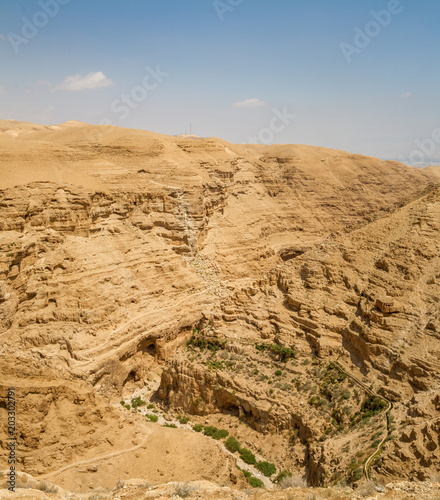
<point x="232" y="410"/>
<point x="148" y="347"/>
<point x="131" y="379"/>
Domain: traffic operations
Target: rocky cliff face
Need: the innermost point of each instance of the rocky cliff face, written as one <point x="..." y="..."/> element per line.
<point x="116" y="244"/>
<point x="369" y="300"/>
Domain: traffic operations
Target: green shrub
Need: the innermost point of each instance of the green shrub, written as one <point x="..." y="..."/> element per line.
<point x="172" y="426"/>
<point x="137" y="401"/>
<point x="282" y="475"/>
<point x="152" y="418"/>
<point x="266" y="468"/>
<point x="283" y="353"/>
<point x="278" y="373"/>
<point x="255" y="482"/>
<point x="215" y="433"/>
<point x="123" y="403"/>
<point x="203" y="343"/>
<point x="232" y="445"/>
<point x="128" y="407"/>
<point x="221" y="434"/>
<point x="357" y="474"/>
<point x="247" y="474"/>
<point x="247" y="456"/>
<point x="198" y="427"/>
<point x="210" y="430"/>
<point x="184" y="420"/>
<point x="261" y="347"/>
<point x="150" y="406"/>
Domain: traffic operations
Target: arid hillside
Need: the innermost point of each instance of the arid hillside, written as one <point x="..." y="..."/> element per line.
<point x="286" y="295"/>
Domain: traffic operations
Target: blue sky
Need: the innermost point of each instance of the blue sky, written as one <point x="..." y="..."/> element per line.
<point x="231" y="68"/>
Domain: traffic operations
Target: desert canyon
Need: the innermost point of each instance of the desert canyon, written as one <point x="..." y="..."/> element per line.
<point x="183" y="316"/>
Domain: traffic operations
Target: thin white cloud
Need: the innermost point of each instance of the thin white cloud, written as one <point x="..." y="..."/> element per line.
<point x="91" y="81"/>
<point x="250" y="103"/>
<point x="43" y="83"/>
<point x="406" y="95"/>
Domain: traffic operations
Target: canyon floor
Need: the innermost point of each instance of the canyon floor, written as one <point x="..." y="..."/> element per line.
<point x="188" y="317"/>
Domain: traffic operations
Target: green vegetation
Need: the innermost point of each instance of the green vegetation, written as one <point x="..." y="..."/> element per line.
<point x="215" y="364"/>
<point x="255" y="482"/>
<point x="215" y="433"/>
<point x="278" y="373"/>
<point x="150" y="406"/>
<point x="198" y="427"/>
<point x="203" y="343"/>
<point x="357" y="474"/>
<point x="232" y="444"/>
<point x="122" y="403"/>
<point x="247" y="456"/>
<point x="282" y="475"/>
<point x="152" y="418"/>
<point x="137" y="401"/>
<point x="373" y="405"/>
<point x="172" y="426"/>
<point x="183" y="420"/>
<point x="282" y="353"/>
<point x="266" y="468"/>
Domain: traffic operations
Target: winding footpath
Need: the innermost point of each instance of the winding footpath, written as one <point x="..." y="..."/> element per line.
<point x="378" y="450"/>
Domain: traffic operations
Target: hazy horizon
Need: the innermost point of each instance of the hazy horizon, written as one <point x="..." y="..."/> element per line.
<point x="345" y="77"/>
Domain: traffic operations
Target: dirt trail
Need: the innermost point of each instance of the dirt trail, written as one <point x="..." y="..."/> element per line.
<point x="376" y="452"/>
<point x="98" y="459"/>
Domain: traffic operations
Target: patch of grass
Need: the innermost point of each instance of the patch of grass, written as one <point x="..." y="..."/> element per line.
<point x="198" y="427"/>
<point x="152" y="418"/>
<point x="183" y="420"/>
<point x="278" y="373"/>
<point x="266" y="468"/>
<point x="215" y="364"/>
<point x="172" y="426"/>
